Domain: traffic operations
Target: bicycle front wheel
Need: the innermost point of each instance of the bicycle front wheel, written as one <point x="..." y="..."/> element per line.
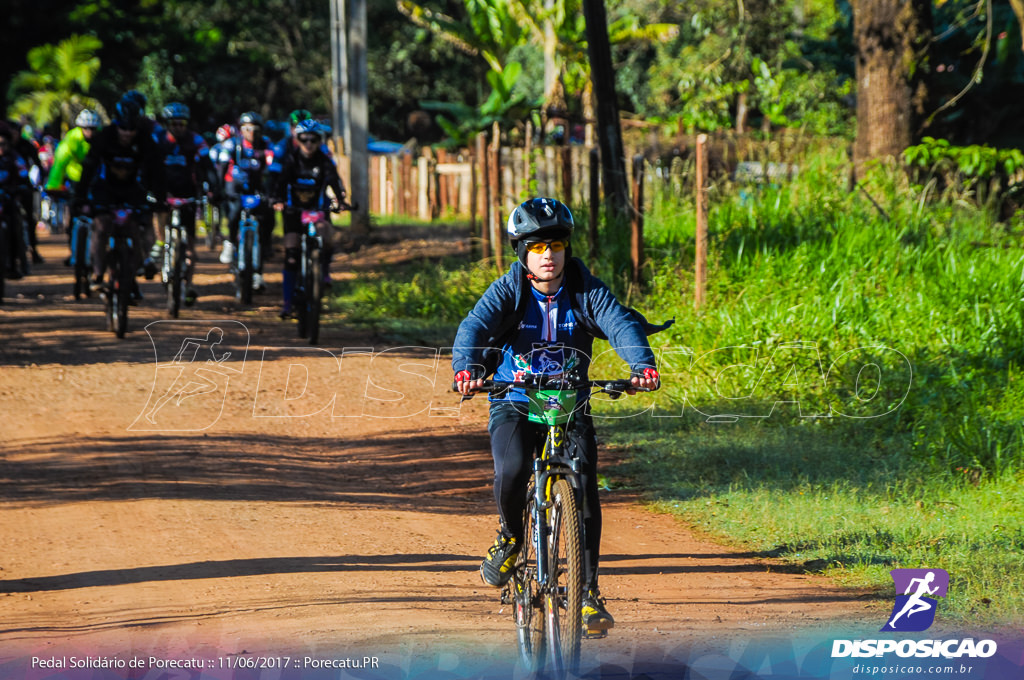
<point x="563" y="601"/>
<point x="175" y="280"/>
<point x="526" y="597"/>
<point x="3" y="259"/>
<point x="122" y="280"/>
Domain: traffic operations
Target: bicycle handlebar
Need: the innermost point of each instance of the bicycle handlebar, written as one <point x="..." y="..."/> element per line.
<point x="613" y="387"/>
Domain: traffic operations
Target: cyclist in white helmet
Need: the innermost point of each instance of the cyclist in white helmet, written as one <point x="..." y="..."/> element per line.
<point x="67" y="161"/>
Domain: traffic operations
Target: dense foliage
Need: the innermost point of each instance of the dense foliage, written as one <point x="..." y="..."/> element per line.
<point x="703" y="65"/>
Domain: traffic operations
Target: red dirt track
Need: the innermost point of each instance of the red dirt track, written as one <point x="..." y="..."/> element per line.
<point x="291" y="508"/>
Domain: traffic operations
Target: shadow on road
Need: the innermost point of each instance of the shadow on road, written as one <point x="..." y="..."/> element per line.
<point x="403" y="471"/>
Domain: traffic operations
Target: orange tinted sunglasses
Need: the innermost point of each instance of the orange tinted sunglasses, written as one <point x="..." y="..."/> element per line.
<point x="538" y="247"/>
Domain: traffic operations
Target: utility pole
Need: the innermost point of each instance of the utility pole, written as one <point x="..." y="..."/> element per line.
<point x="359" y="119"/>
<point x="349" y="85"/>
<point x="339" y="77"/>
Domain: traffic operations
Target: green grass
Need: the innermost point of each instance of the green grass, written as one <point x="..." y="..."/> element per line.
<point x="837" y="499"/>
<point x="871" y="363"/>
<point x="920" y="463"/>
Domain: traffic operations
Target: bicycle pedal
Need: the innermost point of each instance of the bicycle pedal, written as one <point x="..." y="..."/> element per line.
<point x="594" y="634"/>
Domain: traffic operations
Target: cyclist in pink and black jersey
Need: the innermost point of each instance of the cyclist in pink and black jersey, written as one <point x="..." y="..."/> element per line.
<point x="305" y="174"/>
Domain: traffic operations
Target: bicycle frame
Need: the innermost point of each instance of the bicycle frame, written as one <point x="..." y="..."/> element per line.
<point x="5" y="242"/>
<point x="541" y="581"/>
<point x="311" y="241"/>
<point x="548" y="467"/>
<point x="81" y="255"/>
<point x="309" y="282"/>
<point x="174" y="268"/>
<point x="247" y="254"/>
<point x="120" y="257"/>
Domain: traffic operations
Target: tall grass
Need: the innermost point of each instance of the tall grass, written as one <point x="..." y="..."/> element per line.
<point x="849" y="399"/>
<point x="901" y="322"/>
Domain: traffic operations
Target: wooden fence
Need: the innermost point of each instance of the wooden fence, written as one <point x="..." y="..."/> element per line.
<point x="485" y="183"/>
<point x="426" y="184"/>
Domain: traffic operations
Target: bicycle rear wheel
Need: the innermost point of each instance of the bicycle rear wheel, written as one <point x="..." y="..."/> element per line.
<point x="247" y="266"/>
<point x="3" y="259"/>
<point x="210" y="222"/>
<point x="314" y="289"/>
<point x="526" y="598"/>
<point x="122" y="290"/>
<point x="563" y="603"/>
<point x="80" y="239"/>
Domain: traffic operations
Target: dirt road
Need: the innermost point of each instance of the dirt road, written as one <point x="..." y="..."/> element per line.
<point x="213" y="486"/>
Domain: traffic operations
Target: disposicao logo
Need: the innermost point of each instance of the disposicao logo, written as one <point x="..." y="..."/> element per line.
<point x="914" y="609"/>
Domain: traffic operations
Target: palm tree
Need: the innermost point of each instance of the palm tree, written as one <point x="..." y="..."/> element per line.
<point x="55" y="86"/>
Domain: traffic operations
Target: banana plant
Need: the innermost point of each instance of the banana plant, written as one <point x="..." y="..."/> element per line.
<point x="496" y="27"/>
<point x="55" y="85"/>
<point x="504" y="104"/>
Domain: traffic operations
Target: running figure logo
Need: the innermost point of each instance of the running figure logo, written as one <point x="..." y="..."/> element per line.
<point x="195" y="361"/>
<point x="914" y="610"/>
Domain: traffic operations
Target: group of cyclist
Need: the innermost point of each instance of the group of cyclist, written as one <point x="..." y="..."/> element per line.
<point x="146" y="162"/>
<point x="547" y="305"/>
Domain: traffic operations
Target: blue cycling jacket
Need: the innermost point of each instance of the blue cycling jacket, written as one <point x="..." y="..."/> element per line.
<point x="600" y="314"/>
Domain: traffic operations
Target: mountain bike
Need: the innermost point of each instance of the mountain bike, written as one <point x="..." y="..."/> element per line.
<point x="5" y="241"/>
<point x="120" y="258"/>
<point x="309" y="284"/>
<point x="81" y="254"/>
<point x="53" y="208"/>
<point x="175" y="270"/>
<point x="546" y="588"/>
<point x="14" y="246"/>
<point x="247" y="254"/>
<point x="208" y="213"/>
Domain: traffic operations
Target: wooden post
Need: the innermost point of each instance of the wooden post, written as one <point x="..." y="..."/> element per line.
<point x="482" y="198"/>
<point x="423" y="186"/>
<point x="527" y="163"/>
<point x="595" y="199"/>
<point x="566" y="159"/>
<point x="496" y="203"/>
<point x="374" y="189"/>
<point x="636" y="238"/>
<point x="443" y="197"/>
<point x="408" y="195"/>
<point x="701" y="267"/>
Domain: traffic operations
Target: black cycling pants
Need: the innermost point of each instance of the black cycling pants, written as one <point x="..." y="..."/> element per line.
<point x="514" y="442"/>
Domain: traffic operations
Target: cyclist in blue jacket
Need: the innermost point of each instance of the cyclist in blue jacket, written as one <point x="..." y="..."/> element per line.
<point x="546" y="309"/>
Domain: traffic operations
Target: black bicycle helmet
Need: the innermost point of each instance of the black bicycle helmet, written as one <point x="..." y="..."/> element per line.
<point x="128" y="114"/>
<point x="136" y="97"/>
<point x="538" y="219"/>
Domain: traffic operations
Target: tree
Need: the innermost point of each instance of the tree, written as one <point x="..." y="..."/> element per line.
<point x="892" y="39"/>
<point x="55" y="87"/>
<point x="613" y="162"/>
<point x="1018" y="9"/>
<point x="506" y="31"/>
